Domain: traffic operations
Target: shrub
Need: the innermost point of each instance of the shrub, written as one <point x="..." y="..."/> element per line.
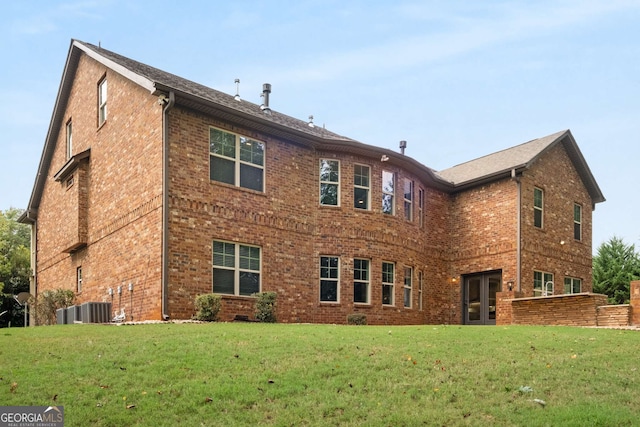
<point x="49" y="301"/>
<point x="266" y="307"/>
<point x="357" y="319"/>
<point x="207" y="307"/>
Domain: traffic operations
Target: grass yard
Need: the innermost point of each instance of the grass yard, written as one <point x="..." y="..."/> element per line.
<point x="234" y="374"/>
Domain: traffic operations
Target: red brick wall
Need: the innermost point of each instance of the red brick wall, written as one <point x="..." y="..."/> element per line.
<point x="542" y="249"/>
<point x="293" y="231"/>
<point x="468" y="232"/>
<point x="567" y="310"/>
<point x="120" y="215"/>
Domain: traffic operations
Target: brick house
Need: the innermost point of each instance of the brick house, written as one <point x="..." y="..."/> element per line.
<point x="153" y="189"/>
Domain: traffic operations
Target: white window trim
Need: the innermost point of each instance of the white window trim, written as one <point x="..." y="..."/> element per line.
<point x="420" y="289"/>
<point x="236" y="268"/>
<point x="336" y="280"/>
<point x="406" y="287"/>
<point x="539" y="208"/>
<point x="579" y="239"/>
<point x="387" y="193"/>
<point x="237" y="162"/>
<point x="69" y="145"/>
<point x="572" y="279"/>
<point x="368" y="188"/>
<point x="546" y="289"/>
<point x="102" y="101"/>
<point x="390" y="284"/>
<point x="79" y="279"/>
<point x="408" y="213"/>
<point x="367" y="282"/>
<point x="421" y="206"/>
<point x="336" y="183"/>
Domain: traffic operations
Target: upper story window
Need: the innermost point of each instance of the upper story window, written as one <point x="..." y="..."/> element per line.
<point x="329" y="279"/>
<point x="329" y="182"/>
<point x="538" y="207"/>
<point x="69" y="150"/>
<point x="236" y="160"/>
<point x="408" y="200"/>
<point x="361" y="280"/>
<point x="361" y="186"/>
<point x="572" y="285"/>
<point x="542" y="284"/>
<point x="236" y="268"/>
<point x="421" y="207"/>
<point x="577" y="222"/>
<point x="102" y="101"/>
<point x="388" y="192"/>
<point x="388" y="278"/>
<point x="408" y="282"/>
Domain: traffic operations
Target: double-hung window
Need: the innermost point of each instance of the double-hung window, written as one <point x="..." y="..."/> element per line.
<point x="236" y="160"/>
<point x="577" y="221"/>
<point x="361" y="280"/>
<point x="408" y="281"/>
<point x="69" y="150"/>
<point x="538" y="207"/>
<point x="361" y="187"/>
<point x="420" y="281"/>
<point x="388" y="192"/>
<point x="421" y="207"/>
<point x="572" y="285"/>
<point x="102" y="101"/>
<point x="542" y="284"/>
<point x="408" y="200"/>
<point x="388" y="278"/>
<point x="329" y="279"/>
<point x="236" y="268"/>
<point x="79" y="279"/>
<point x="329" y="182"/>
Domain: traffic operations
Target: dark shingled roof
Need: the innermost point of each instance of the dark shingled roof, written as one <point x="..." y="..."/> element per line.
<point x="163" y="81"/>
<point x="502" y="163"/>
<point x="210" y="101"/>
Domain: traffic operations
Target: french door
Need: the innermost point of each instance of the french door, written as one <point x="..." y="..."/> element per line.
<point x="479" y="298"/>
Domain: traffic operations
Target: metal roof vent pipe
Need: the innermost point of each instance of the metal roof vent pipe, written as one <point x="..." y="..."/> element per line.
<point x="403" y="145"/>
<point x="266" y="90"/>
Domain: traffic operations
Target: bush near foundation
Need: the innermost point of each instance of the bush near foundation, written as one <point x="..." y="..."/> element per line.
<point x="207" y="307"/>
<point x="266" y="307"/>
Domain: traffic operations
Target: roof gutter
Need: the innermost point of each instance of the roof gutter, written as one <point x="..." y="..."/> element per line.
<point x="170" y="102"/>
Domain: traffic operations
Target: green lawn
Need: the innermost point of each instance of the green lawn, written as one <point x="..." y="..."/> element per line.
<point x="228" y="374"/>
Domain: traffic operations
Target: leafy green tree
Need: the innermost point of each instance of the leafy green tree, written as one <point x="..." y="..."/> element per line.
<point x="614" y="266"/>
<point x="14" y="265"/>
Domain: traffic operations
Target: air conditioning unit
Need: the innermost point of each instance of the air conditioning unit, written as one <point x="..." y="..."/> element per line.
<point x="96" y="312"/>
<point x="61" y="316"/>
<point x="74" y="314"/>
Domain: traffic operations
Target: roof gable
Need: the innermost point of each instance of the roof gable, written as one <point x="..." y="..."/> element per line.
<point x="516" y="159"/>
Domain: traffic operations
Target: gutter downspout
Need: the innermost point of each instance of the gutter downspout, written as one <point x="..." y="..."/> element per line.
<point x="516" y="178"/>
<point x="165" y="204"/>
<point x="33" y="282"/>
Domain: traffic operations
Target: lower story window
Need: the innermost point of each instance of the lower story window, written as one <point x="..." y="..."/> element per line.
<point x="408" y="279"/>
<point x="542" y="284"/>
<point x="329" y="279"/>
<point x="236" y="268"/>
<point x="572" y="285"/>
<point x="361" y="280"/>
<point x="388" y="273"/>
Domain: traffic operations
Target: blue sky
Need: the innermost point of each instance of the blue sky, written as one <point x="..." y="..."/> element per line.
<point x="455" y="79"/>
